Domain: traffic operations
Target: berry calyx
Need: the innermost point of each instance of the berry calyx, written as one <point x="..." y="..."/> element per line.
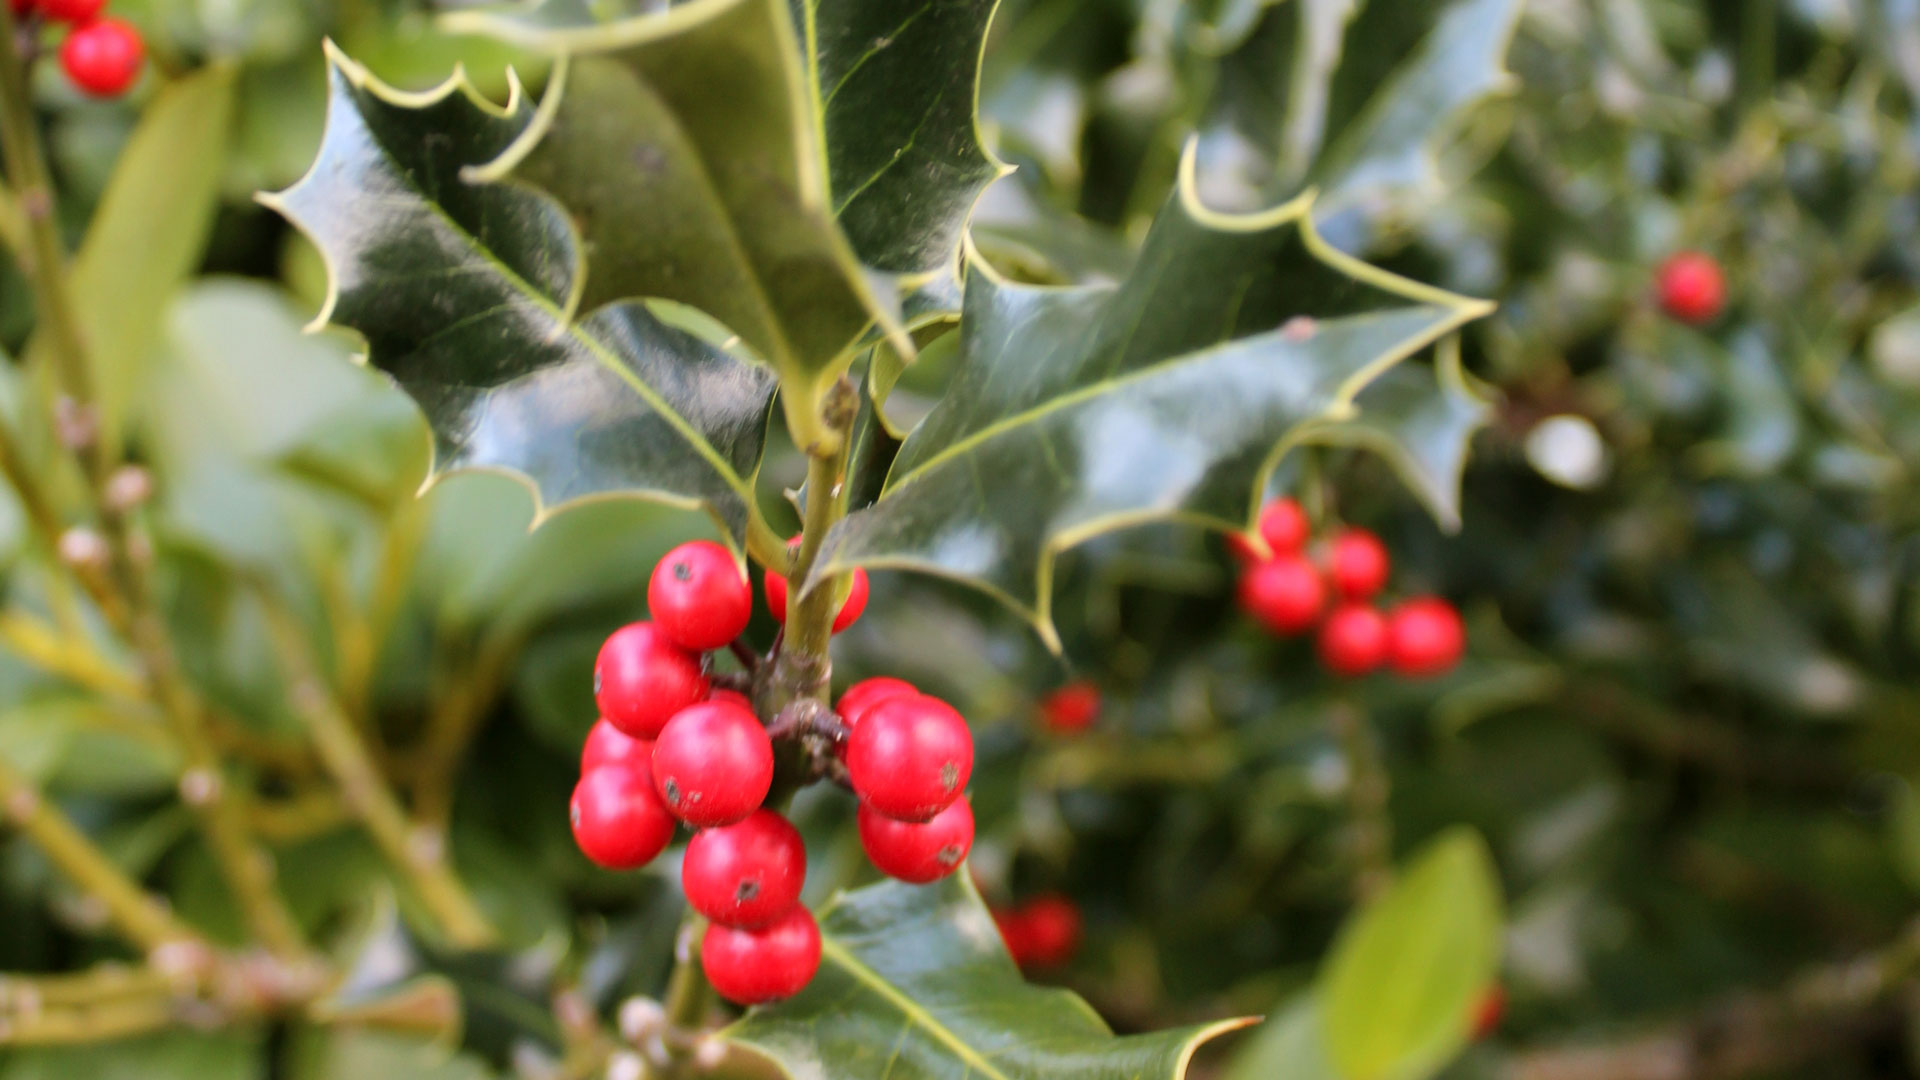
<point x="713" y="764"/>
<point x="1358" y="565"/>
<point x="103" y="57"/>
<point x="618" y="820"/>
<point x="867" y="693"/>
<point x="1691" y="287"/>
<point x="1072" y="708"/>
<point x="850" y="608"/>
<point x="608" y="745"/>
<point x="757" y="966"/>
<point x="745" y="874"/>
<point x="910" y="757"/>
<point x="77" y="12"/>
<point x="1353" y="640"/>
<point x="918" y="852"/>
<point x="698" y="597"/>
<point x="641" y="679"/>
<point x="1285" y="594"/>
<point x="1425" y="637"/>
<point x="1044" y="932"/>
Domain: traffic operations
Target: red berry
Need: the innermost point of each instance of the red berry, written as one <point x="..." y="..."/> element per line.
<point x="1488" y="1011"/>
<point x="1013" y="932"/>
<point x="103" y="58"/>
<point x="1283" y="525"/>
<point x="642" y="678"/>
<point x="713" y="764"/>
<point x="918" y="852"/>
<point x="910" y="757"/>
<point x="850" y="608"/>
<point x="1692" y="287"/>
<point x="76" y="12"/>
<point x="745" y="874"/>
<point x="608" y="745"/>
<point x="861" y="697"/>
<point x="1425" y="637"/>
<point x="1358" y="564"/>
<point x="1353" y="641"/>
<point x="617" y="818"/>
<point x="1072" y="708"/>
<point x="753" y="967"/>
<point x="1049" y="932"/>
<point x="731" y="697"/>
<point x="1284" y="593"/>
<point x="698" y="597"/>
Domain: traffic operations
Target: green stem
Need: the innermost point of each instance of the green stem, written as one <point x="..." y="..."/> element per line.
<point x="1367" y="791"/>
<point x="144" y="920"/>
<point x="42" y="258"/>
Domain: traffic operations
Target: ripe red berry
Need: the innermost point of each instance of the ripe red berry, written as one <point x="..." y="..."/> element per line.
<point x="1353" y="640"/>
<point x="76" y="12"/>
<point x="698" y="597"/>
<point x="608" y="745"/>
<point x="918" y="851"/>
<point x="861" y="697"/>
<point x="1425" y="637"/>
<point x="731" y="697"/>
<point x="1284" y="593"/>
<point x="1488" y="1011"/>
<point x="1013" y="932"/>
<point x="745" y="874"/>
<point x="1283" y="525"/>
<point x="103" y="57"/>
<point x="1047" y="932"/>
<point x="618" y="820"/>
<point x="910" y="757"/>
<point x="1358" y="565"/>
<point x="754" y="967"/>
<point x="850" y="608"/>
<point x="1692" y="287"/>
<point x="713" y="764"/>
<point x="642" y="678"/>
<point x="1072" y="708"/>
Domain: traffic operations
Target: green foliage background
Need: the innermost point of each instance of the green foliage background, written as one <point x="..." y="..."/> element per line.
<point x="1685" y="732"/>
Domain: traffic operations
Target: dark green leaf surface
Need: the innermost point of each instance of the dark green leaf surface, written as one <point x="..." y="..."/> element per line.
<point x="822" y="194"/>
<point x="1422" y="423"/>
<point x="1078" y="411"/>
<point x="465" y="292"/>
<point x="1399" y="990"/>
<point x="914" y="984"/>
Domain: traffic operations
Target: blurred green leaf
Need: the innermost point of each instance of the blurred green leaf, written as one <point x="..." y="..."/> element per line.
<point x="1903" y="831"/>
<point x="349" y="1053"/>
<point x="1288" y="1045"/>
<point x="184" y="1055"/>
<point x="1400" y="985"/>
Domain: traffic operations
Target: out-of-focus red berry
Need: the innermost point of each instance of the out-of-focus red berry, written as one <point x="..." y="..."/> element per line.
<point x="1072" y="708"/>
<point x="1692" y="287"/>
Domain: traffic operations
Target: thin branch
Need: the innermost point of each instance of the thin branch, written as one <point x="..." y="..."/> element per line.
<point x="1367" y="794"/>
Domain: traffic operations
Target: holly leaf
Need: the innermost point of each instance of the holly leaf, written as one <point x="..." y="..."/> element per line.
<point x="1421" y="421"/>
<point x="914" y="984"/>
<point x="824" y="193"/>
<point x="466" y="293"/>
<point x="1359" y="100"/>
<point x="1171" y="395"/>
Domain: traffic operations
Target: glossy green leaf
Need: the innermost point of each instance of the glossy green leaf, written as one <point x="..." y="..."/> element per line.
<point x="149" y="233"/>
<point x="1422" y="422"/>
<point x="1171" y="395"/>
<point x="1399" y="989"/>
<point x="822" y="194"/>
<point x="914" y="984"/>
<point x="466" y="294"/>
<point x="1288" y="1045"/>
<point x="1358" y="99"/>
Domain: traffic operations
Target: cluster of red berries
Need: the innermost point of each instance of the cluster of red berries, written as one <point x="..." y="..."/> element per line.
<point x="101" y="55"/>
<point x="1691" y="287"/>
<point x="1290" y="591"/>
<point x="672" y="747"/>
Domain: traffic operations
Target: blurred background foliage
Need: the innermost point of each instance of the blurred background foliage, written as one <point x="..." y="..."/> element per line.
<point x="1687" y="723"/>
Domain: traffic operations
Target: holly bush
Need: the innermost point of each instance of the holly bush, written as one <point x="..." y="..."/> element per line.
<point x="1241" y="539"/>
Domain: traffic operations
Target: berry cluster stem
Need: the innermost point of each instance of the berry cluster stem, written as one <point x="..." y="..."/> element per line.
<point x="1367" y="790"/>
